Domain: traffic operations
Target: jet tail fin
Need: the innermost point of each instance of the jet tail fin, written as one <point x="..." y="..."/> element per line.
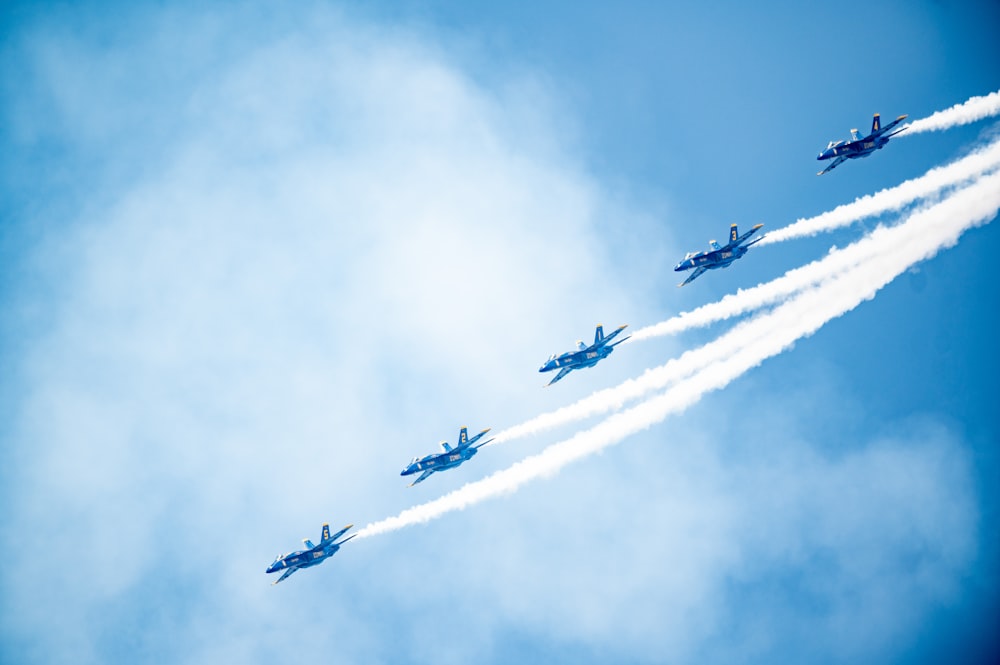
<point x="599" y="334"/>
<point x="446" y="446"/>
<point x="326" y="533"/>
<point x="308" y="543"/>
<point x="855" y="136"/>
<point x="876" y="123"/>
<point x="463" y="437"/>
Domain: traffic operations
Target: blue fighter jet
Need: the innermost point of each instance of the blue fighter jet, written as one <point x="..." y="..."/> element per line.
<point x="312" y="556"/>
<point x="857" y="147"/>
<point x="449" y="458"/>
<point x="718" y="256"/>
<point x="584" y="356"/>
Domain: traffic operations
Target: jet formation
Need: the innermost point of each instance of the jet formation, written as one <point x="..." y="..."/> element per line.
<point x="858" y="146"/>
<point x="584" y="356"/>
<point x="313" y="555"/>
<point x="448" y="458"/>
<point x="718" y="256"/>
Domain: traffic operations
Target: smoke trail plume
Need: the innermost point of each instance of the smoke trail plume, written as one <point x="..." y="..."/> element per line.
<point x="976" y="108"/>
<point x="931" y="230"/>
<point x="892" y="199"/>
<point x="881" y="241"/>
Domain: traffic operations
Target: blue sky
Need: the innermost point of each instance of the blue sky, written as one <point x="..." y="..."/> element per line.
<point x="254" y="260"/>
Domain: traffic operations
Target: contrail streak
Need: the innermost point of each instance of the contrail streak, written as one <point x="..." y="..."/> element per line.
<point x="746" y="300"/>
<point x="872" y="246"/>
<point x="976" y="108"/>
<point x="765" y="336"/>
<point x="894" y="198"/>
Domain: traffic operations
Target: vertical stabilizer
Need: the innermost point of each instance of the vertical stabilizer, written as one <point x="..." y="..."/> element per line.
<point x="463" y="437"/>
<point x="876" y="123"/>
<point x="445" y="446"/>
<point x="733" y="234"/>
<point x="326" y="533"/>
<point x="599" y="334"/>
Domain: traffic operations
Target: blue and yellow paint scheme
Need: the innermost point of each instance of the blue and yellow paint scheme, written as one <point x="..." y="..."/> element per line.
<point x="583" y="356"/>
<point x="448" y="458"/>
<point x="313" y="555"/>
<point x="860" y="146"/>
<point x="718" y="256"/>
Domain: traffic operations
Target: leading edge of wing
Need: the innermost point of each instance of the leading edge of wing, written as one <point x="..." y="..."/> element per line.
<point x="563" y="372"/>
<point x="836" y="162"/>
<point x="695" y="275"/>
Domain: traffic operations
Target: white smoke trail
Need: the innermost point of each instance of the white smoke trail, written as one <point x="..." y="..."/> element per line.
<point x="894" y="198"/>
<point x="976" y="108"/>
<point x="745" y="300"/>
<point x="932" y="229"/>
<point x="872" y="246"/>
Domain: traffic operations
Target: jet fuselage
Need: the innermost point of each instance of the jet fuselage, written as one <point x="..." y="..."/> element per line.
<point x="854" y="149"/>
<point x="577" y="359"/>
<point x="440" y="461"/>
<point x="718" y="258"/>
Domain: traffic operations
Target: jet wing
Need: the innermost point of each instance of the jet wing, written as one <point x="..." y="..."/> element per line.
<point x="563" y="372"/>
<point x="342" y="532"/>
<point x="886" y="128"/>
<point x="836" y="162"/>
<point x="422" y="478"/>
<point x="287" y="573"/>
<point x="695" y="275"/>
<point x="742" y="238"/>
<point x="613" y="335"/>
<point x="476" y="438"/>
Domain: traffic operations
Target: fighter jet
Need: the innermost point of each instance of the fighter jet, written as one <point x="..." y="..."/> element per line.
<point x="718" y="256"/>
<point x="449" y="458"/>
<point x="312" y="556"/>
<point x="857" y="147"/>
<point x="584" y="356"/>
